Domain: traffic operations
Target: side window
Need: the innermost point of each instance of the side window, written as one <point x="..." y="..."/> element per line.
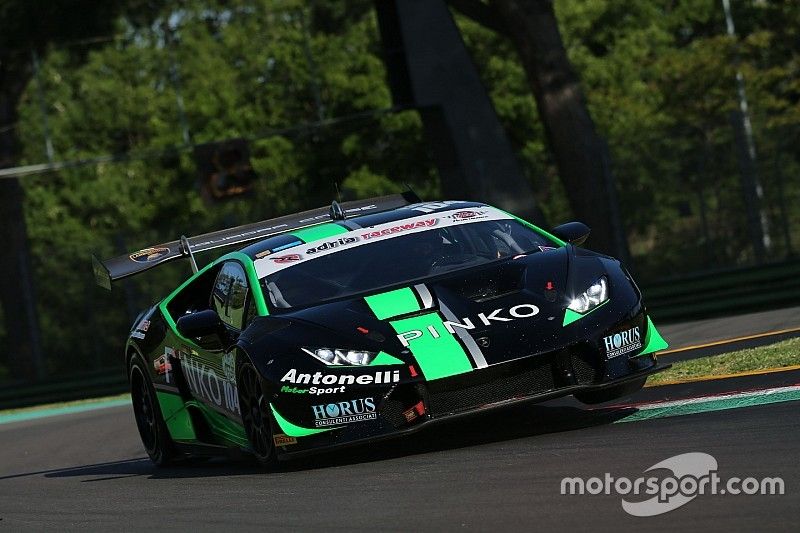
<point x="193" y="297"/>
<point x="230" y="294"/>
<point x="251" y="309"/>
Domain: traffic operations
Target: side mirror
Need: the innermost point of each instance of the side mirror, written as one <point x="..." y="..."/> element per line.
<point x="572" y="232"/>
<point x="203" y="327"/>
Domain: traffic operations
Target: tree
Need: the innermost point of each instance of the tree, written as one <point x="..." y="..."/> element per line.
<point x="29" y="27"/>
<point x="581" y="155"/>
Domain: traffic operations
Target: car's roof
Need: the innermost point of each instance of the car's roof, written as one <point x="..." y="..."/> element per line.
<point x="287" y="240"/>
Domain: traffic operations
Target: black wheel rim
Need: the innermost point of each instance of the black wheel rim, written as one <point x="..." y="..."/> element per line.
<point x="143" y="410"/>
<point x="255" y="413"/>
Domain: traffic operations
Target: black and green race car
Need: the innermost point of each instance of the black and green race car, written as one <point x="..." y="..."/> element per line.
<point x="372" y="319"/>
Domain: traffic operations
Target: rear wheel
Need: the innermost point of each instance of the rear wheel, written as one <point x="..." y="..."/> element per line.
<point x="149" y="421"/>
<point x="255" y="414"/>
<point x="610" y="393"/>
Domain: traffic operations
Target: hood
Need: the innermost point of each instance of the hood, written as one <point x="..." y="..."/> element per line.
<point x="453" y="322"/>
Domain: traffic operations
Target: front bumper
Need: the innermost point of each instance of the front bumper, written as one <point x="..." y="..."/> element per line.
<point x="407" y="408"/>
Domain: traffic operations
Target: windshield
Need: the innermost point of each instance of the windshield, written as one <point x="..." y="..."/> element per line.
<point x="402" y="258"/>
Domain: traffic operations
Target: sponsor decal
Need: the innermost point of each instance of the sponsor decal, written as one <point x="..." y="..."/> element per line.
<point x="429" y="223"/>
<point x="229" y="366"/>
<point x="205" y="383"/>
<point x="313" y="391"/>
<point x="141" y="329"/>
<point x="288" y="258"/>
<point x="546" y="248"/>
<point x="284" y="440"/>
<point x="265" y="253"/>
<point x="285" y="246"/>
<point x="149" y="254"/>
<point x="318" y="378"/>
<point x="467" y="214"/>
<point x="415" y="412"/>
<point x="163" y="366"/>
<point x="265" y="267"/>
<point x="622" y="342"/>
<point x="514" y="313"/>
<point x="329" y="245"/>
<point x="345" y="412"/>
<point x="293" y="390"/>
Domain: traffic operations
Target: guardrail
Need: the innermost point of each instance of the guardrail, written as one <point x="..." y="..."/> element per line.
<point x="80" y="387"/>
<point x="723" y="292"/>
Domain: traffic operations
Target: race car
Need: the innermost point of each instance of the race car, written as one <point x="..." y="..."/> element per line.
<point x="372" y="319"/>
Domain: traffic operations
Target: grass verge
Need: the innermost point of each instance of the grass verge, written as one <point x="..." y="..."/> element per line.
<point x="778" y="355"/>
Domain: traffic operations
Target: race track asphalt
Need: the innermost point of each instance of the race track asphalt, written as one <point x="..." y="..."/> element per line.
<point x="498" y="471"/>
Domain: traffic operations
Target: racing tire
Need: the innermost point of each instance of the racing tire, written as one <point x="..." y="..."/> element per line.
<point x="149" y="420"/>
<point x="610" y="393"/>
<point x="255" y="415"/>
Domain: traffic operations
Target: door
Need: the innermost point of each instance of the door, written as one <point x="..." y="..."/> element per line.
<point x="210" y="371"/>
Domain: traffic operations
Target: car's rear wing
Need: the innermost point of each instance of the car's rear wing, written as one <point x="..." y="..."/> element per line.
<point x="116" y="268"/>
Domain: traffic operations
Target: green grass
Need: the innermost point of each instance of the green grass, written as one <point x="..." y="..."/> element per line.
<point x="781" y="354"/>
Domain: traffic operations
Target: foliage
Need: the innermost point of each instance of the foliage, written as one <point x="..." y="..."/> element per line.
<point x="660" y="80"/>
<point x="255" y="69"/>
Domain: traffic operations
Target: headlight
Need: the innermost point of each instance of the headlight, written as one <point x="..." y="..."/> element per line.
<point x="596" y="294"/>
<point x="336" y="356"/>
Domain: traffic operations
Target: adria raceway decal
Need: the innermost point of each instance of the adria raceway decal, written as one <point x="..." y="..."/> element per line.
<point x="334" y="243"/>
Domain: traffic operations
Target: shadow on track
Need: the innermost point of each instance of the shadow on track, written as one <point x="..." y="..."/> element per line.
<point x="484" y="428"/>
<point x="516" y="422"/>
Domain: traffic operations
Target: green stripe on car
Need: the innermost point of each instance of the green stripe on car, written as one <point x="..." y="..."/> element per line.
<point x="384" y="359"/>
<point x="393" y="303"/>
<point x="321" y="231"/>
<point x="177" y="419"/>
<point x="437" y="351"/>
<point x="653" y="341"/>
<point x="293" y="430"/>
<point x="571" y="316"/>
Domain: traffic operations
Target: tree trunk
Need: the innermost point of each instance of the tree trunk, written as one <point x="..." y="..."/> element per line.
<point x="22" y="353"/>
<point x="581" y="155"/>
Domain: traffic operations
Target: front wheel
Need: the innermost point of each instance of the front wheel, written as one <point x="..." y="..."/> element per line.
<point x="610" y="393"/>
<point x="255" y="415"/>
<point x="149" y="421"/>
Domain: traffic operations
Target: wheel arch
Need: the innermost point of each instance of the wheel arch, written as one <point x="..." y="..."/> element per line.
<point x="131" y="351"/>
